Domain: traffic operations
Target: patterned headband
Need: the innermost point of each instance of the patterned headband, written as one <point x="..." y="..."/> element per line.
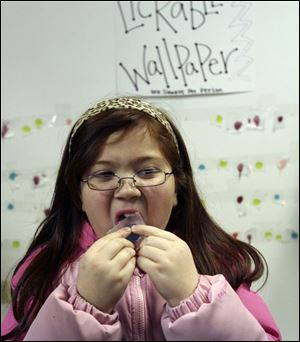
<point x="124" y="102"/>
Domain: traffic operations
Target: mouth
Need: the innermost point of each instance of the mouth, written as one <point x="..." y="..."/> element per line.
<point x="124" y="214"/>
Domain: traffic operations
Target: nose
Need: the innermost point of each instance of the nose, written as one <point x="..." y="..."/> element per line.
<point x="127" y="188"/>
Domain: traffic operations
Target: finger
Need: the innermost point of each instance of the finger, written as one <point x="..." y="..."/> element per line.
<point x="149" y="230"/>
<point x="123" y="233"/>
<point x="124" y="256"/>
<point x="115" y="246"/>
<point x="146" y="264"/>
<point x="128" y="269"/>
<point x="155" y="241"/>
<point x="152" y="253"/>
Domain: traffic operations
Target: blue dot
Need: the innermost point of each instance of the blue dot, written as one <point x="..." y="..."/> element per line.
<point x="294" y="235"/>
<point x="10" y="206"/>
<point x="12" y="176"/>
<point x="276" y="197"/>
<point x="201" y="167"/>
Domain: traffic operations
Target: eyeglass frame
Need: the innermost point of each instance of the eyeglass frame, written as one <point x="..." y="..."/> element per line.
<point x="86" y="180"/>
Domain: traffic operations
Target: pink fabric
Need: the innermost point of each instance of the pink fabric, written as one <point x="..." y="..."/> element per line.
<point x="213" y="312"/>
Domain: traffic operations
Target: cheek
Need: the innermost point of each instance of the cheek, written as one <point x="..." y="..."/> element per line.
<point x="96" y="205"/>
<point x="160" y="203"/>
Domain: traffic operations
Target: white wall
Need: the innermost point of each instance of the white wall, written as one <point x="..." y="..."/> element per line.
<point x="58" y="58"/>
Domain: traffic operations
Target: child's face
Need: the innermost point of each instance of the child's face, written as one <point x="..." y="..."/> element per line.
<point x="125" y="157"/>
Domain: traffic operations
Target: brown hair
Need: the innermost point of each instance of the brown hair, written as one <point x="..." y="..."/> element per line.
<point x="214" y="250"/>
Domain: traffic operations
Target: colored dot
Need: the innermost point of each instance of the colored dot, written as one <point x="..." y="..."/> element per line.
<point x="26" y="129"/>
<point x="277" y="197"/>
<point x="278" y="237"/>
<point x="219" y="119"/>
<point x="4" y="130"/>
<point x="280" y="119"/>
<point x="240" y="167"/>
<point x="38" y="122"/>
<point x="294" y="235"/>
<point x="240" y="199"/>
<point x="15" y="244"/>
<point x="238" y="125"/>
<point x="46" y="211"/>
<point x="12" y="176"/>
<point x="268" y="235"/>
<point x="68" y="121"/>
<point x="36" y="180"/>
<point x="256" y="202"/>
<point x="10" y="206"/>
<point x="235" y="235"/>
<point x="256" y="120"/>
<point x="259" y="165"/>
<point x="223" y="164"/>
<point x="201" y="167"/>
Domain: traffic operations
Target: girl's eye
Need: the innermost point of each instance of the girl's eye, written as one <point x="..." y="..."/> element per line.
<point x="104" y="175"/>
<point x="148" y="172"/>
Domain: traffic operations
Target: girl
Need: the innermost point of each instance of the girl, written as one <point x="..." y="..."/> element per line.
<point x="83" y="278"/>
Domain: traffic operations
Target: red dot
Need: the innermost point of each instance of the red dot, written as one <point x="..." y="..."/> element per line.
<point x="237" y="125"/>
<point x="280" y="119"/>
<point x="240" y="199"/>
<point x="36" y="180"/>
<point x="235" y="235"/>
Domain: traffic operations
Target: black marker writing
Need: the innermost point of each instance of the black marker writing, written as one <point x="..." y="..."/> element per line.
<point x="188" y="60"/>
<point x="165" y="14"/>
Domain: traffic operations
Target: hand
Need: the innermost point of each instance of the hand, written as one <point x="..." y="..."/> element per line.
<point x="168" y="261"/>
<point x="105" y="270"/>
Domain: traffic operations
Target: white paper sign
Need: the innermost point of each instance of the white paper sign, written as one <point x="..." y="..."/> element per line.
<point x="167" y="48"/>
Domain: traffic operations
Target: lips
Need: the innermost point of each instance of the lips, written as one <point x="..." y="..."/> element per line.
<point x="122" y="214"/>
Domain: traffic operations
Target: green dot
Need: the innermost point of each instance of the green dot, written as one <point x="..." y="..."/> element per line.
<point x="26" y="129"/>
<point x="219" y="119"/>
<point x="278" y="237"/>
<point x="223" y="164"/>
<point x="38" y="122"/>
<point x="256" y="202"/>
<point x="15" y="244"/>
<point x="268" y="235"/>
<point x="259" y="165"/>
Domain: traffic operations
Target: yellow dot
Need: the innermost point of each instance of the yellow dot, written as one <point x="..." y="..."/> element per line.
<point x="268" y="235"/>
<point x="259" y="165"/>
<point x="219" y="119"/>
<point x="15" y="244"/>
<point x="256" y="202"/>
<point x="223" y="163"/>
<point x="38" y="122"/>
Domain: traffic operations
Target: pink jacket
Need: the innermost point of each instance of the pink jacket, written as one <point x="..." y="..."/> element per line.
<point x="214" y="312"/>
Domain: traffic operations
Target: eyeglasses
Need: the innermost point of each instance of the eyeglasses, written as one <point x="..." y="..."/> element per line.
<point x="107" y="180"/>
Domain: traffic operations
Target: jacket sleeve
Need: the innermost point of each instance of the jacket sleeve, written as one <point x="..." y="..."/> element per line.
<point x="215" y="312"/>
<point x="67" y="316"/>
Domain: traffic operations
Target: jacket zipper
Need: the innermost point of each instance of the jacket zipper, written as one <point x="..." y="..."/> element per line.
<point x="138" y="328"/>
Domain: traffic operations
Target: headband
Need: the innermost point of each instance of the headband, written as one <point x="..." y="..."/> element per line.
<point x="124" y="102"/>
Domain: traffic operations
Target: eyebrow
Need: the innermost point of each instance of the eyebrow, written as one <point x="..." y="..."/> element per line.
<point x="136" y="160"/>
